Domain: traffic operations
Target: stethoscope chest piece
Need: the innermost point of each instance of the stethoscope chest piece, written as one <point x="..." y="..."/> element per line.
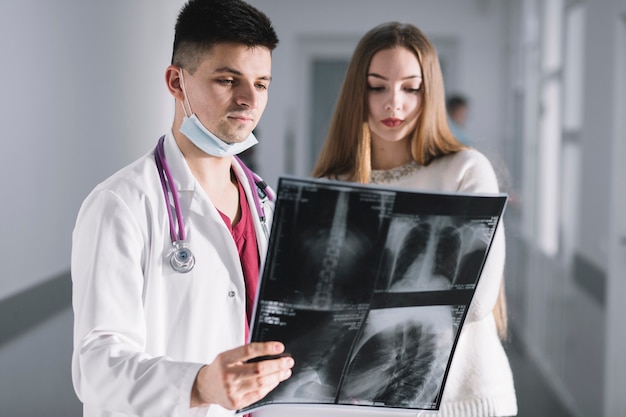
<point x="181" y="258"/>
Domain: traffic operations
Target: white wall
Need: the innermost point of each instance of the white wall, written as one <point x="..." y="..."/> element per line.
<point x="569" y="313"/>
<point x="83" y="94"/>
<point x="615" y="53"/>
<point x="600" y="209"/>
<point x="35" y="374"/>
<point x="602" y="18"/>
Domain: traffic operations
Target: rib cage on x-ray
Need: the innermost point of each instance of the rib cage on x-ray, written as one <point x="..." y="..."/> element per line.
<point x="427" y="255"/>
<point x="400" y="357"/>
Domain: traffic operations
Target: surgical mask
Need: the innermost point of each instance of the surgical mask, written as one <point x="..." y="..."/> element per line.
<point x="200" y="136"/>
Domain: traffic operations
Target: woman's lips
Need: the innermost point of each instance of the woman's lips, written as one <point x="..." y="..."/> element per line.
<point x="391" y="122"/>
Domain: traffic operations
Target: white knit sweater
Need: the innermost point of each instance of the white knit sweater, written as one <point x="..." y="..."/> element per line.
<point x="479" y="383"/>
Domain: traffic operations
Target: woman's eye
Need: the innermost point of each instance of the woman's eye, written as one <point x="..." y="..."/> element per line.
<point x="373" y="88"/>
<point x="414" y="90"/>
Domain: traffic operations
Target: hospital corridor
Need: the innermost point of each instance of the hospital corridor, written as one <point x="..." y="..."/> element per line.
<point x="544" y="83"/>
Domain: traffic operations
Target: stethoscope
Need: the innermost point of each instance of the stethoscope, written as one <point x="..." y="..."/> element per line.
<point x="180" y="257"/>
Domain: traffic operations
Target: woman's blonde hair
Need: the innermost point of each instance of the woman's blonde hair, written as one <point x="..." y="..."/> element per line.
<point x="500" y="313"/>
<point x="347" y="150"/>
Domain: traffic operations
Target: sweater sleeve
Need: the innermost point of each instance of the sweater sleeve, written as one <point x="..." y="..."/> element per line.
<point x="476" y="175"/>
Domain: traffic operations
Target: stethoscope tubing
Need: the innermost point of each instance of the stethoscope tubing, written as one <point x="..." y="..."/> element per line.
<point x="181" y="258"/>
<point x="167" y="185"/>
<point x="262" y="189"/>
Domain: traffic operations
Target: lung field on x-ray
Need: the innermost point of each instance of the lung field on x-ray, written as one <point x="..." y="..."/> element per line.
<point x="434" y="254"/>
<point x="400" y="357"/>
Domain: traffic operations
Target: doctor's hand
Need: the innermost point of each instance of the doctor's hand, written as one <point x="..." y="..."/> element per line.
<point x="234" y="380"/>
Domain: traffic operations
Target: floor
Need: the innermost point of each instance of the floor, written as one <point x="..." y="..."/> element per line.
<point x="534" y="397"/>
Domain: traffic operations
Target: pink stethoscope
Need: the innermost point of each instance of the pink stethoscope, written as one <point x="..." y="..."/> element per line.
<point x="181" y="258"/>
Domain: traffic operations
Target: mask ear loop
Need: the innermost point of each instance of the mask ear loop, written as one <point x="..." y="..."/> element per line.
<point x="186" y="100"/>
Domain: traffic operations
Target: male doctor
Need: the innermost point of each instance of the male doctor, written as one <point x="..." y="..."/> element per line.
<point x="149" y="340"/>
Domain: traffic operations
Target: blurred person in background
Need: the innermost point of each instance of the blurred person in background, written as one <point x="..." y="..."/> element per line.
<point x="458" y="108"/>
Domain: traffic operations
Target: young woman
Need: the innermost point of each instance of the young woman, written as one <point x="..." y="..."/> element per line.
<point x="390" y="127"/>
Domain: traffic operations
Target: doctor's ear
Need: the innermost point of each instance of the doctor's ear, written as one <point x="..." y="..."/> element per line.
<point x="172" y="79"/>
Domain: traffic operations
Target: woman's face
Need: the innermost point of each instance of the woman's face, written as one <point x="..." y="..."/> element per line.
<point x="394" y="82"/>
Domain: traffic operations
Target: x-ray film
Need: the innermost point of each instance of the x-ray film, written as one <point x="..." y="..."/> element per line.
<point x="368" y="288"/>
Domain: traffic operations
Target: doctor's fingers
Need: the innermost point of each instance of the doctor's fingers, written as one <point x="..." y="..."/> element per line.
<point x="236" y="386"/>
<point x="259" y="377"/>
<point x="270" y="366"/>
<point x="256" y="388"/>
<point x="254" y="351"/>
<point x="255" y="363"/>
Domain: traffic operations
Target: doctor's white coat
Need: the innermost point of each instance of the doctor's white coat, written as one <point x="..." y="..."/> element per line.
<point x="142" y="330"/>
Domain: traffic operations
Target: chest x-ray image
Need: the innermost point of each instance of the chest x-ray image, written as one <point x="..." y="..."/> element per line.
<point x="432" y="254"/>
<point x="368" y="288"/>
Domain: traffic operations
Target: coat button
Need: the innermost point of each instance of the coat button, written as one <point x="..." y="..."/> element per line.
<point x="231" y="294"/>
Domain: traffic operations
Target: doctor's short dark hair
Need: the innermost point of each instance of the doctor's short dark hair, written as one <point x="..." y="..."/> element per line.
<point x="203" y="23"/>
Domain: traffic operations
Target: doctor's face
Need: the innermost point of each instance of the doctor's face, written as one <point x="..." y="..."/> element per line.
<point x="228" y="90"/>
<point x="394" y="83"/>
